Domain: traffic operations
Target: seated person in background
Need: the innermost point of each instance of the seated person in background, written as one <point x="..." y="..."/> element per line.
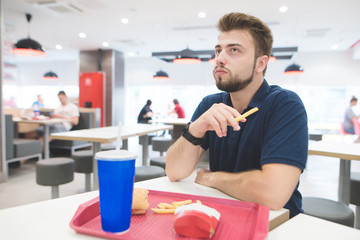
<point x="39" y="103"/>
<point x="350" y="116"/>
<point x="146" y="113"/>
<point x="179" y="110"/>
<point x="66" y="110"/>
<point x="259" y="159"/>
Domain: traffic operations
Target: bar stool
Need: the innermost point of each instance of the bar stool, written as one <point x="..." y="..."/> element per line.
<point x="143" y="173"/>
<point x="158" y="161"/>
<point x="355" y="196"/>
<point x="53" y="172"/>
<point x="84" y="164"/>
<point x="328" y="210"/>
<point x="161" y="144"/>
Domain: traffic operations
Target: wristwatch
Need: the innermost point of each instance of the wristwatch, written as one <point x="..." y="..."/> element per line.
<point x="188" y="136"/>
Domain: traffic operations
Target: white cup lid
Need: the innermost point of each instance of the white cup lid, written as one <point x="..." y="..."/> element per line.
<point x="115" y="154"/>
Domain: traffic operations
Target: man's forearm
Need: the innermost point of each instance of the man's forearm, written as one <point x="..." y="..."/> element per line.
<point x="181" y="159"/>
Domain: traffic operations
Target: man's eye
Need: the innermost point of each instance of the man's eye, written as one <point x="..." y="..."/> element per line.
<point x="217" y="51"/>
<point x="233" y="50"/>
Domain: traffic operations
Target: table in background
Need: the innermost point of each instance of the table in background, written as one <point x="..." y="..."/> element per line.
<point x="303" y="227"/>
<point x="46" y="124"/>
<point x="344" y="151"/>
<point x="178" y="123"/>
<point x="108" y="135"/>
<point x="50" y="219"/>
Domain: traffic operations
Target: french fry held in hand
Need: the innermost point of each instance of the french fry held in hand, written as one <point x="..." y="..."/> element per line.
<point x="251" y="111"/>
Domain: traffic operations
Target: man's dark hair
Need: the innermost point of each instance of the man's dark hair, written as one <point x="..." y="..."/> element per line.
<point x="61" y="93"/>
<point x="148" y="102"/>
<point x="353" y="99"/>
<point x="175" y="101"/>
<point x="259" y="31"/>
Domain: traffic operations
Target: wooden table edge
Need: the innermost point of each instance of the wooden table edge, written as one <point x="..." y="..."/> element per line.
<point x="279" y="220"/>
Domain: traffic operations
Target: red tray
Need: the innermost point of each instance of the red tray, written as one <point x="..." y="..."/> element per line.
<point x="238" y="220"/>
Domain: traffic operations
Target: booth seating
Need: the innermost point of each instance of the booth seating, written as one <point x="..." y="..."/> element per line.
<point x="54" y="172"/>
<point x="85" y="122"/>
<point x="328" y="210"/>
<point x="161" y="144"/>
<point x="143" y="173"/>
<point x="18" y="149"/>
<point x="84" y="164"/>
<point x="355" y="196"/>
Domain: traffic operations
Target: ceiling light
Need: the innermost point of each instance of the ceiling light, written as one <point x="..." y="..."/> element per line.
<point x="161" y="76"/>
<point x="58" y="47"/>
<point x="294" y="69"/>
<point x="28" y="46"/>
<point x="125" y="20"/>
<point x="283" y="9"/>
<point x="82" y="35"/>
<point x="272" y="58"/>
<point x="105" y="44"/>
<point x="187" y="60"/>
<point x="185" y="56"/>
<point x="202" y="14"/>
<point x="50" y="76"/>
<point x="131" y="54"/>
<point x="212" y="60"/>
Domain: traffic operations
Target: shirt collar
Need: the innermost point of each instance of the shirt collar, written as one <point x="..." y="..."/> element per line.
<point x="258" y="98"/>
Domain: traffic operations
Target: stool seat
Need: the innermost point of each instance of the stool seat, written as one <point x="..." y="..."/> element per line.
<point x="355" y="196"/>
<point x="108" y="146"/>
<point x="148" y="172"/>
<point x="161" y="144"/>
<point x="84" y="164"/>
<point x="158" y="161"/>
<point x="83" y="161"/>
<point x="328" y="210"/>
<point x="53" y="172"/>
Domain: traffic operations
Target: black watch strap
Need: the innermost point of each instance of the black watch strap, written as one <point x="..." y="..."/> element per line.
<point x="188" y="136"/>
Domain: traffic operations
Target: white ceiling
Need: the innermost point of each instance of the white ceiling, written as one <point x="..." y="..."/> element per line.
<point x="169" y="25"/>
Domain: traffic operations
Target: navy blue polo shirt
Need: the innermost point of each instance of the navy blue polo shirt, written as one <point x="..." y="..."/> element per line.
<point x="277" y="133"/>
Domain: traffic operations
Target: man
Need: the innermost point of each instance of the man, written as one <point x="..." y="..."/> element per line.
<point x="39" y="103"/>
<point x="66" y="110"/>
<point x="259" y="159"/>
<point x="178" y="109"/>
<point x="145" y="113"/>
<point x="350" y="116"/>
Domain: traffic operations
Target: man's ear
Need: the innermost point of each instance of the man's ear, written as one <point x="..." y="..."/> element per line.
<point x="261" y="63"/>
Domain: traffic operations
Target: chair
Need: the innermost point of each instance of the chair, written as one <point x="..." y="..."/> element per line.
<point x="143" y="173"/>
<point x="356" y="127"/>
<point x="355" y="196"/>
<point x="328" y="210"/>
<point x="18" y="149"/>
<point x="158" y="161"/>
<point x="85" y="122"/>
<point x="54" y="172"/>
<point x="161" y="144"/>
<point x="342" y="130"/>
<point x="84" y="164"/>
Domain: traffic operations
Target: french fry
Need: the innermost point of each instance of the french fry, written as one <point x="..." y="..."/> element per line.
<point x="162" y="211"/>
<point x="198" y="201"/>
<point x="166" y="206"/>
<point x="179" y="203"/>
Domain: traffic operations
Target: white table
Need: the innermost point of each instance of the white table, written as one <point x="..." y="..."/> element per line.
<point x="303" y="227"/>
<point x="46" y="124"/>
<point x="344" y="151"/>
<point x="109" y="134"/>
<point x="50" y="219"/>
<point x="178" y="123"/>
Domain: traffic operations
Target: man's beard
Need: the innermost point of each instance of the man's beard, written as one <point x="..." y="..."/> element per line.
<point x="234" y="83"/>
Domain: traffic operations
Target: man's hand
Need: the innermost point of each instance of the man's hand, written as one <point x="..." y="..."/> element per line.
<point x="203" y="177"/>
<point x="216" y="118"/>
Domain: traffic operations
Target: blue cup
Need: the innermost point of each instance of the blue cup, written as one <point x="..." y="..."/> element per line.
<point x="116" y="171"/>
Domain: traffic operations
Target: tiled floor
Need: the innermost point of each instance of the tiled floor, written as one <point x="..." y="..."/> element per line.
<point x="319" y="179"/>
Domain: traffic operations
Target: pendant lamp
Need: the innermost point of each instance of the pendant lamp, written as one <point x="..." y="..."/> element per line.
<point x="161" y="76"/>
<point x="28" y="46"/>
<point x="272" y="58"/>
<point x="294" y="69"/>
<point x="186" y="56"/>
<point x="50" y="76"/>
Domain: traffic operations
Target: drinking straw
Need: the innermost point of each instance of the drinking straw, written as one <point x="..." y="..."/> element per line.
<point x="118" y="140"/>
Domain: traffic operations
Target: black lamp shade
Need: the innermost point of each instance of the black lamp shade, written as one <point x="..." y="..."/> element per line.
<point x="294" y="69"/>
<point x="161" y="76"/>
<point x="28" y="47"/>
<point x="50" y="76"/>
